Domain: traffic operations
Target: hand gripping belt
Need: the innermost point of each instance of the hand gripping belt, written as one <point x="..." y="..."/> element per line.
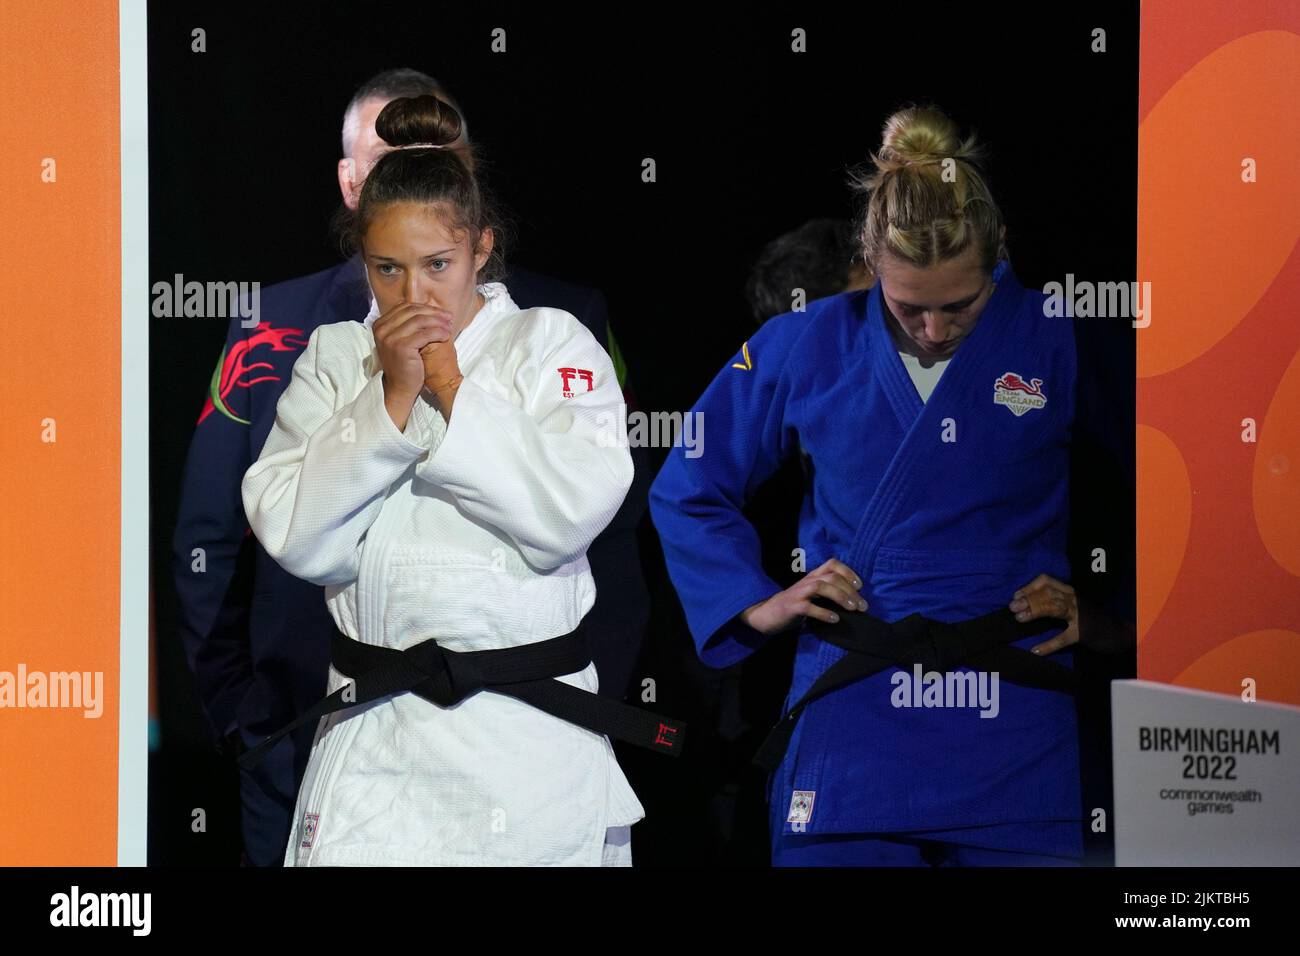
<point x="448" y="677"/>
<point x="981" y="643"/>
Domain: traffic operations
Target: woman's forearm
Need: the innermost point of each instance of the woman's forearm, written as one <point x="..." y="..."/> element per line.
<point x="444" y="396"/>
<point x="398" y="404"/>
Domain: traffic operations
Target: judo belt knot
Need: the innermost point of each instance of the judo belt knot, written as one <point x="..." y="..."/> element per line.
<point x="935" y="645"/>
<point x="457" y="676"/>
<point x="444" y="677"/>
<point x="874" y="645"/>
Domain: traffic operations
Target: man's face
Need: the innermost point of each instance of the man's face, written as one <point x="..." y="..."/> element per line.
<point x="368" y="149"/>
<point x="934" y="308"/>
<point x="411" y="256"/>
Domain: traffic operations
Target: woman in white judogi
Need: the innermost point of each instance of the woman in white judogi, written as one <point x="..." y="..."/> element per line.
<point x="442" y="469"/>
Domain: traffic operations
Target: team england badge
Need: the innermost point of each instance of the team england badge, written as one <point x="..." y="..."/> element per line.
<point x="1018" y="395"/>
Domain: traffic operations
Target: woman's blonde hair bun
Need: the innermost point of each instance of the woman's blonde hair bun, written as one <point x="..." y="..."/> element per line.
<point x="924" y="197"/>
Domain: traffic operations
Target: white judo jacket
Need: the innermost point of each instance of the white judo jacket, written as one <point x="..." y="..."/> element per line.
<point x="473" y="532"/>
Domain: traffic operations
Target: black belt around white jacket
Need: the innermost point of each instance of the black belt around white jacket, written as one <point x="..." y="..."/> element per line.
<point x="447" y="677"/>
<point x="982" y="643"/>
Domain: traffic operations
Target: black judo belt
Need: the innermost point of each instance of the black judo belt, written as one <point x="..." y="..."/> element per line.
<point x="447" y="677"/>
<point x="982" y="643"/>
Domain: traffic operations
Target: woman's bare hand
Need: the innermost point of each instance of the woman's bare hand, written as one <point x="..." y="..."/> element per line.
<point x="834" y="580"/>
<point x="400" y="334"/>
<point x="1045" y="596"/>
<point x="1090" y="625"/>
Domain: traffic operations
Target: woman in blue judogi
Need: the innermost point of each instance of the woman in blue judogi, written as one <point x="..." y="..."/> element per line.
<point x="935" y="412"/>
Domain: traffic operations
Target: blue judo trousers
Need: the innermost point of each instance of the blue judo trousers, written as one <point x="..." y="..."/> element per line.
<point x="944" y="508"/>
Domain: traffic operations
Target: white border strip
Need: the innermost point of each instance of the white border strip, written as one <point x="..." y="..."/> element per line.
<point x="133" y="702"/>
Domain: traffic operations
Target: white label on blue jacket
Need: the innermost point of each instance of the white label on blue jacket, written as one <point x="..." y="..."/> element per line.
<point x="801" y="805"/>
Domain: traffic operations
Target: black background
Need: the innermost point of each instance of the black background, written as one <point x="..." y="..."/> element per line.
<point x="750" y="140"/>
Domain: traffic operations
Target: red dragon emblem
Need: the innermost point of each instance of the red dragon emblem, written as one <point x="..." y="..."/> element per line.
<point x="234" y="370"/>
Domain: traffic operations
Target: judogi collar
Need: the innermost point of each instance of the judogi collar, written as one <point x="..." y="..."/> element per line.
<point x="898" y="387"/>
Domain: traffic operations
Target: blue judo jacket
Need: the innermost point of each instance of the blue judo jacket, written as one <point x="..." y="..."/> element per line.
<point x="945" y="508"/>
<point x="256" y="638"/>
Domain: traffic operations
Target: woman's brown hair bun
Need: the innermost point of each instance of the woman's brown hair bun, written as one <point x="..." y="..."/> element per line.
<point x="419" y="119"/>
<point x="445" y="178"/>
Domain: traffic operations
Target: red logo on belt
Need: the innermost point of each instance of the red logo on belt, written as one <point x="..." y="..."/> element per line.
<point x="660" y="739"/>
<point x="567" y="375"/>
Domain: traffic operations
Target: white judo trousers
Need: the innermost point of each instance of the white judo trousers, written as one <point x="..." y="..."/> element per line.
<point x="474" y="533"/>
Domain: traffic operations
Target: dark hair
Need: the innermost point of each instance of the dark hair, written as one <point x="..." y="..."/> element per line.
<point x="815" y="257"/>
<point x="426" y="176"/>
<point x="389" y="85"/>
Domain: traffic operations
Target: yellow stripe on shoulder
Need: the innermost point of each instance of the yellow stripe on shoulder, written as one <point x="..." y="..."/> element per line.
<point x="749" y="364"/>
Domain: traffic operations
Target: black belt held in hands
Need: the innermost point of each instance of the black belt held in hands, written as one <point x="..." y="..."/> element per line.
<point x="447" y="677"/>
<point x="873" y="645"/>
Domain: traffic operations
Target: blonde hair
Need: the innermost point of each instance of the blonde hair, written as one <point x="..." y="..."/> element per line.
<point x="926" y="200"/>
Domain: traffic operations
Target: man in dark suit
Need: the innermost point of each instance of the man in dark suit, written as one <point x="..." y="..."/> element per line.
<point x="257" y="639"/>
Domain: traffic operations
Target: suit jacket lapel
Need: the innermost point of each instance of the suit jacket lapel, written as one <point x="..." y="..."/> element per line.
<point x="349" y="296"/>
